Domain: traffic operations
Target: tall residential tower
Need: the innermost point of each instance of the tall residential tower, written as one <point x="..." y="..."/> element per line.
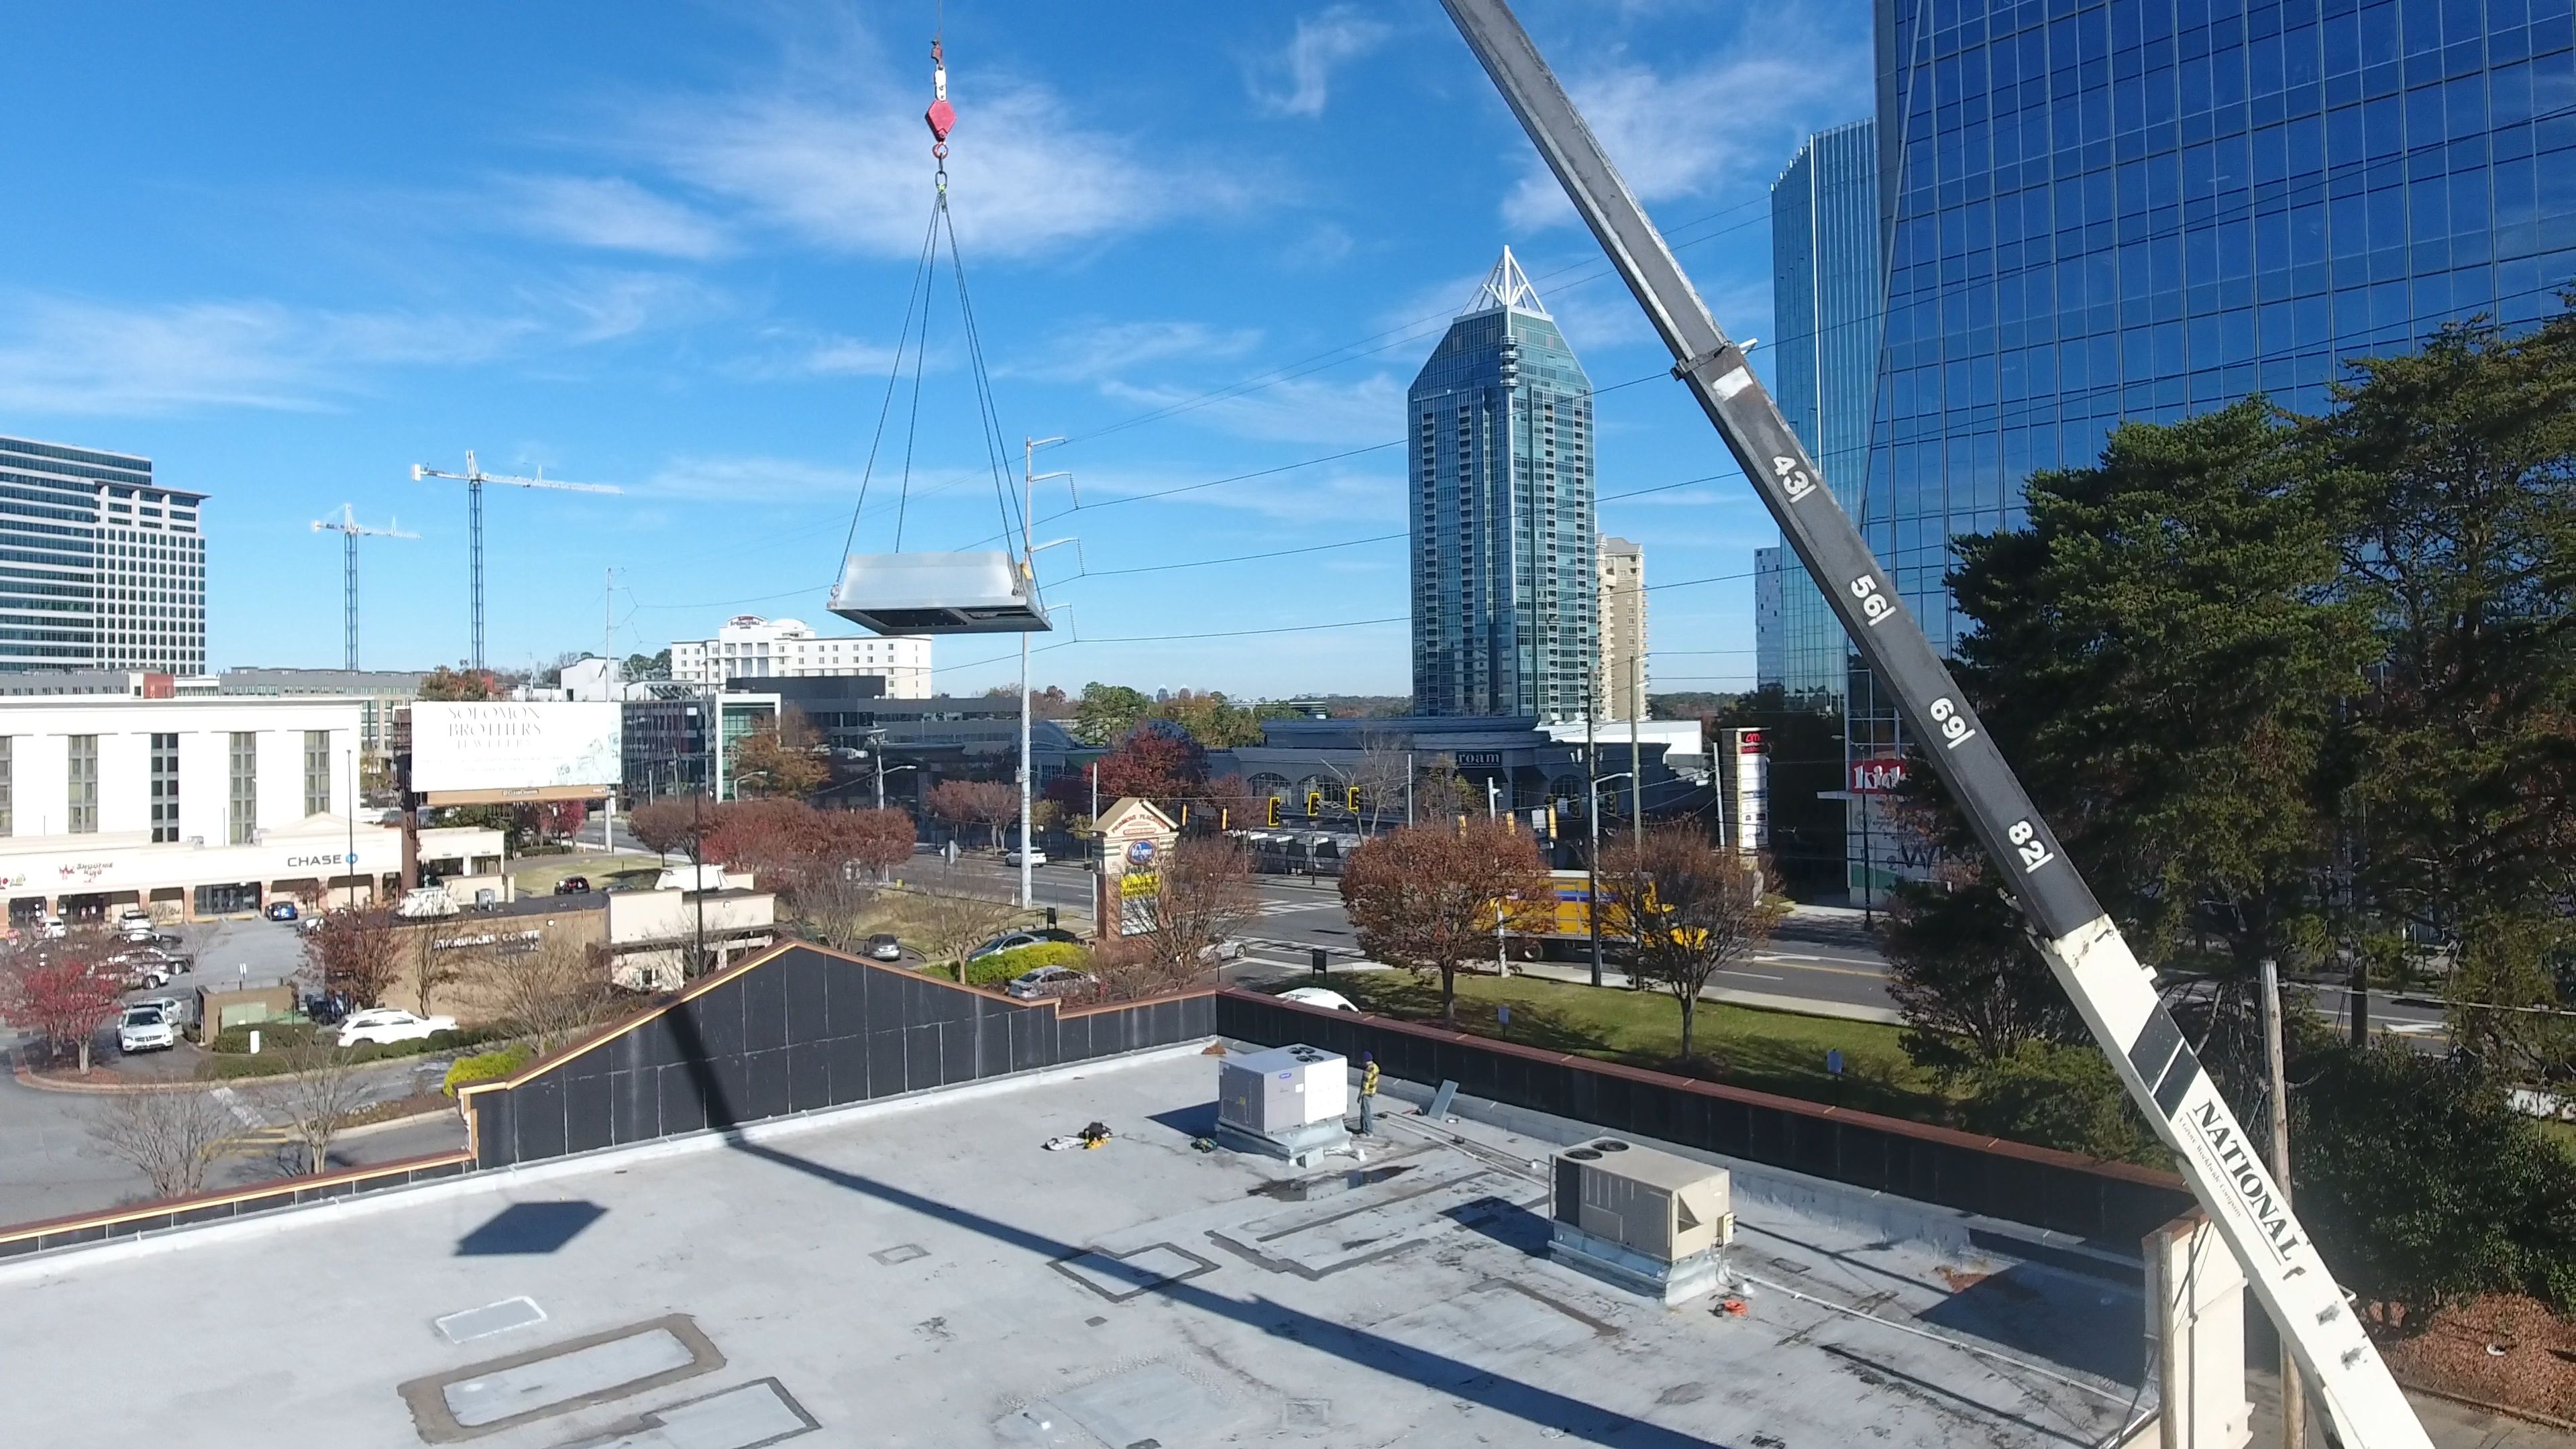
<point x="1505" y="584"/>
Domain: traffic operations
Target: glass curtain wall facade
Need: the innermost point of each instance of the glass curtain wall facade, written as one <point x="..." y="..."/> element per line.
<point x="1506" y="606"/>
<point x="1826" y="285"/>
<point x="2100" y="210"/>
<point x="99" y="569"/>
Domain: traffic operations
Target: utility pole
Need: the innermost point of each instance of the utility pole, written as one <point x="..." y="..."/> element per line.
<point x="350" y="531"/>
<point x="1592" y="817"/>
<point x="1636" y="772"/>
<point x="608" y="630"/>
<point x="2294" y="1391"/>
<point x="474" y="478"/>
<point x="1030" y="477"/>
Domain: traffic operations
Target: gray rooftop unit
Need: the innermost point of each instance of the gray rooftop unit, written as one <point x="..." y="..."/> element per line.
<point x="938" y="593"/>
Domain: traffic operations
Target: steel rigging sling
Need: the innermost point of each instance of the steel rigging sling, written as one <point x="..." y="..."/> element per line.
<point x="2114" y="993"/>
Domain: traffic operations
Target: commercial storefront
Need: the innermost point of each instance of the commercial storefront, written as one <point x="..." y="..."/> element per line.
<point x="321" y="859"/>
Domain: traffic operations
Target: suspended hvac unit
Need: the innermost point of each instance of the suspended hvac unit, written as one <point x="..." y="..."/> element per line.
<point x="938" y="593"/>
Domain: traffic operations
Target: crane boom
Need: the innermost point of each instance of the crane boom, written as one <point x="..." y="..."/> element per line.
<point x="2084" y="948"/>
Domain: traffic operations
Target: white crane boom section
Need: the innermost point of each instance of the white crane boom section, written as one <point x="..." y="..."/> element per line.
<point x="2115" y="995"/>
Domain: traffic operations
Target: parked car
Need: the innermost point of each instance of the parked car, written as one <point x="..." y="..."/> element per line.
<point x="1047" y="981"/>
<point x="1012" y="856"/>
<point x="141" y="968"/>
<point x="133" y="916"/>
<point x="146" y="1028"/>
<point x="1318" y="996"/>
<point x="385" y="1023"/>
<point x="137" y="930"/>
<point x="1227" y="949"/>
<point x="179" y="1011"/>
<point x="52" y="928"/>
<point x="324" y="1007"/>
<point x="282" y="911"/>
<point x="310" y="924"/>
<point x="1034" y="936"/>
<point x="573" y="885"/>
<point x="884" y="948"/>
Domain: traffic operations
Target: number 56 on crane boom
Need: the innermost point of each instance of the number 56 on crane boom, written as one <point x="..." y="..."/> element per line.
<point x="2084" y="948"/>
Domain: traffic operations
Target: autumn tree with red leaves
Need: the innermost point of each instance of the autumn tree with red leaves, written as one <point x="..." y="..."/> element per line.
<point x="356" y="954"/>
<point x="788" y="844"/>
<point x="989" y="803"/>
<point x="1426" y="897"/>
<point x="63" y="991"/>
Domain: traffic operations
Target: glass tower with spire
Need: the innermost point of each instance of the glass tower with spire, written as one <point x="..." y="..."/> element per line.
<point x="1506" y="610"/>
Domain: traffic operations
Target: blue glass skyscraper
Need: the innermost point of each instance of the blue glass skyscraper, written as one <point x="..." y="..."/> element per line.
<point x="1505" y="584"/>
<point x="1826" y="285"/>
<point x="2103" y="210"/>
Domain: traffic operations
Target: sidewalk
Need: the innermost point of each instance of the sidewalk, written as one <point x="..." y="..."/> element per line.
<point x="1767" y="1001"/>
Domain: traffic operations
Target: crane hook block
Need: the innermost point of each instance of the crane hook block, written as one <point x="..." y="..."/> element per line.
<point x="942" y="118"/>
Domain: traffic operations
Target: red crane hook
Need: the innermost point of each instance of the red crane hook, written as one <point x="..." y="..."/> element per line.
<point x="941" y="117"/>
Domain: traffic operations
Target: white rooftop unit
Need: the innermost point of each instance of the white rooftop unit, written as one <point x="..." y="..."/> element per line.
<point x="1640" y="1218"/>
<point x="1279" y="1092"/>
<point x="938" y="593"/>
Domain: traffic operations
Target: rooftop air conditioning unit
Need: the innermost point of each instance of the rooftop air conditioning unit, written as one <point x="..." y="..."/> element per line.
<point x="1645" y="1220"/>
<point x="1285" y="1102"/>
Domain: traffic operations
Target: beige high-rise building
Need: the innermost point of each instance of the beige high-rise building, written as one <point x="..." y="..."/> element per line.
<point x="1623" y="630"/>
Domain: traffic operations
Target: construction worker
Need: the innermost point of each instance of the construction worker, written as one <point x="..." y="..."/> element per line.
<point x="1368" y="1094"/>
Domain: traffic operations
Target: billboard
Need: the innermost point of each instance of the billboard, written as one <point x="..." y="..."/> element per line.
<point x="501" y="750"/>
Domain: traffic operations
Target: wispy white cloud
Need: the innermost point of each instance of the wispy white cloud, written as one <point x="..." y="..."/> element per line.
<point x="70" y="356"/>
<point x="1334" y="497"/>
<point x="837" y="156"/>
<point x="1097" y="352"/>
<point x="1298" y="81"/>
<point x="1318" y="409"/>
<point x="615" y="214"/>
<point x="751" y="478"/>
<point x="1728" y="120"/>
<point x="73" y="355"/>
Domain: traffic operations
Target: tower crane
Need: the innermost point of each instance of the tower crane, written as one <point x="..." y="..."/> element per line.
<point x="474" y="478"/>
<point x="350" y="531"/>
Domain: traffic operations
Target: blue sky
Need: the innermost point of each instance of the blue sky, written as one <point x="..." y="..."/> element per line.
<point x="291" y="250"/>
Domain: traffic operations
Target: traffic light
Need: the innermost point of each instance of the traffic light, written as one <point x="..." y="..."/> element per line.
<point x="1314" y="804"/>
<point x="1274" y="811"/>
<point x="1351" y="799"/>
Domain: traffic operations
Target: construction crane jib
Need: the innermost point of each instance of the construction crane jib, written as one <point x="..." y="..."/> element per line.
<point x="2085" y="950"/>
<point x="474" y="478"/>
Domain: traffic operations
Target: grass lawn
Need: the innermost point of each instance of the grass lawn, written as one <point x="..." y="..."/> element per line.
<point x="1769" y="1051"/>
<point x="606" y="872"/>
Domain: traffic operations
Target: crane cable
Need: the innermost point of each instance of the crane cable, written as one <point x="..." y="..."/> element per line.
<point x="941" y="118"/>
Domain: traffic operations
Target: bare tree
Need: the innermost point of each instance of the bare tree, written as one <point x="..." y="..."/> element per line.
<point x="447" y="953"/>
<point x="952" y="925"/>
<point x="553" y="992"/>
<point x="315" y="1095"/>
<point x="1429" y="897"/>
<point x="171" y="1137"/>
<point x="838" y="910"/>
<point x="1694" y="910"/>
<point x="1203" y="895"/>
<point x="1383" y="772"/>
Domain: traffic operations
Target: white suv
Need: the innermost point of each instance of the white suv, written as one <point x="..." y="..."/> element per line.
<point x="146" y="1028"/>
<point x="384" y="1023"/>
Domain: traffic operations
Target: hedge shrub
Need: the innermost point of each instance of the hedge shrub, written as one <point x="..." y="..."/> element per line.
<point x="1001" y="966"/>
<point x="484" y="1067"/>
<point x="271" y="1034"/>
<point x="272" y="1063"/>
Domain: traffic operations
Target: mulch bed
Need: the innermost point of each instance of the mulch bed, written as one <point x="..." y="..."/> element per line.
<point x="2535" y="1371"/>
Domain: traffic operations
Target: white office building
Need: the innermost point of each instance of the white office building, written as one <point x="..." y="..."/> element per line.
<point x="751" y="647"/>
<point x="192" y="806"/>
<point x="99" y="567"/>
